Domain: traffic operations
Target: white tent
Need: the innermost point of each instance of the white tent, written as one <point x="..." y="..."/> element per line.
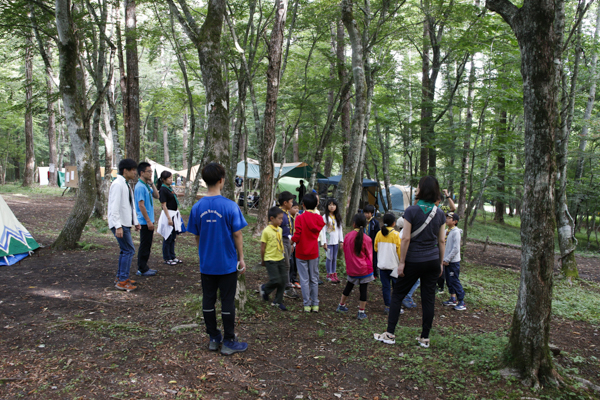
<point x="193" y="173"/>
<point x="159" y="168"/>
<point x="16" y="242"/>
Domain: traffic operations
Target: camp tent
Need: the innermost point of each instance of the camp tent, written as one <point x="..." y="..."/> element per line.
<point x="294" y="170"/>
<point x="289" y="184"/>
<point x="15" y="241"/>
<point x="194" y="171"/>
<point x="401" y="197"/>
<point x="369" y="193"/>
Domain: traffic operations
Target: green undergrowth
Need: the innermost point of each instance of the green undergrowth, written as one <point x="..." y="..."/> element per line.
<point x="36" y="189"/>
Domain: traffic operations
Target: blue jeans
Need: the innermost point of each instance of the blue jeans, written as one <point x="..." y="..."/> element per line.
<point x="386" y="285"/>
<point x="413" y="289"/>
<point x="452" y="271"/>
<point x="126" y="254"/>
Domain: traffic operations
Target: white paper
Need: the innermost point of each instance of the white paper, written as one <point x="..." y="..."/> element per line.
<point x="67" y="177"/>
<point x="51" y="168"/>
<point x="72" y="175"/>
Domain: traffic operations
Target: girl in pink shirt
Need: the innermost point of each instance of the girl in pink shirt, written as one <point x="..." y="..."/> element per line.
<point x="358" y="252"/>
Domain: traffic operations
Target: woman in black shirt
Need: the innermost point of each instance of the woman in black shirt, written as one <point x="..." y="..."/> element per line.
<point x="170" y="205"/>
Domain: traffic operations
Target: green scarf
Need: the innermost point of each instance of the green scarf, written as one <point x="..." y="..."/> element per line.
<point x="147" y="186"/>
<point x="426" y="206"/>
<point x="171" y="190"/>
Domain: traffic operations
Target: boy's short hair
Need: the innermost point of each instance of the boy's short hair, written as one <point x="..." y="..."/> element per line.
<point x="369" y="208"/>
<point x="295" y="204"/>
<point x="285" y="196"/>
<point x="212" y="173"/>
<point x="126" y="163"/>
<point x="453" y="215"/>
<point x="274" y="212"/>
<point x="142" y="167"/>
<point x="310" y="201"/>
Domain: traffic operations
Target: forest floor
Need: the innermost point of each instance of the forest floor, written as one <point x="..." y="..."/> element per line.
<point x="66" y="333"/>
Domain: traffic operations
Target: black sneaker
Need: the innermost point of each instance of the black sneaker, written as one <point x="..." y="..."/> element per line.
<point x="215" y="342"/>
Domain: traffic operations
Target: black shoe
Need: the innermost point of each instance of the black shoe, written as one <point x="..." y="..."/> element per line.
<point x="320" y="281"/>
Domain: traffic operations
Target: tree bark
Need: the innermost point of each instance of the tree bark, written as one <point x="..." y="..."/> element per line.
<point x="360" y="102"/>
<point x="384" y="144"/>
<point x="268" y="141"/>
<point x="185" y="140"/>
<point x="77" y="117"/>
<point x="165" y="135"/>
<point x="207" y="40"/>
<point x="51" y="127"/>
<point x="501" y="168"/>
<point x="343" y="77"/>
<point x="133" y="81"/>
<point x="123" y="76"/>
<point x="539" y="42"/>
<point x="29" y="154"/>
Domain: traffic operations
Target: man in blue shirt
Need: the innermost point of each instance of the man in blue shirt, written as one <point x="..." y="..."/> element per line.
<point x="144" y="193"/>
<point x="217" y="223"/>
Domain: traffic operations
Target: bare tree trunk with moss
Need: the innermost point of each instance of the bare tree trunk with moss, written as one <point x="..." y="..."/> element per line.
<point x="29" y="154"/>
<point x="539" y="37"/>
<point x="350" y="166"/>
<point x="77" y="118"/>
<point x="207" y="40"/>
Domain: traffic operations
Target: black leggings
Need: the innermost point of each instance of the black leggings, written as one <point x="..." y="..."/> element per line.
<point x="363" y="290"/>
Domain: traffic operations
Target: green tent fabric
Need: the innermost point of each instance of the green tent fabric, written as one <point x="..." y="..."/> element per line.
<point x="289" y="184"/>
<point x="60" y="180"/>
<point x="15" y="241"/>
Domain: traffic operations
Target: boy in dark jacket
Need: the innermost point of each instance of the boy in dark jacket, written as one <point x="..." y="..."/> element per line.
<point x="371" y="229"/>
<point x="307" y="236"/>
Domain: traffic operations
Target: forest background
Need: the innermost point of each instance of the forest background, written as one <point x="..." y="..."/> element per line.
<point x="387" y="90"/>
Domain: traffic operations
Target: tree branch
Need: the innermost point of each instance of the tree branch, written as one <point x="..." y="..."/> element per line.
<point x="505" y="8"/>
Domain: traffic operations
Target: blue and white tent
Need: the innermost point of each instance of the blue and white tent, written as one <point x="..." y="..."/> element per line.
<point x="16" y="242"/>
<point x="402" y="197"/>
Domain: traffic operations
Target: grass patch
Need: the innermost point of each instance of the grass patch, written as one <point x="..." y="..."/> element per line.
<point x="36" y="189"/>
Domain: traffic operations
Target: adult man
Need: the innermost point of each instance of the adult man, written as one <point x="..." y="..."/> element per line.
<point x="144" y="193"/>
<point x="301" y="191"/>
<point x="217" y="223"/>
<point x="121" y="217"/>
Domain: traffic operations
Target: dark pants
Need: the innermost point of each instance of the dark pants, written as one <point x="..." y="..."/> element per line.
<point x="146" y="236"/>
<point x="227" y="285"/>
<point x="278" y="278"/>
<point x="169" y="246"/>
<point x="452" y="271"/>
<point x="428" y="272"/>
<point x="387" y="282"/>
<point x="440" y="282"/>
<point x="375" y="268"/>
<point x="293" y="268"/>
<point x="363" y="287"/>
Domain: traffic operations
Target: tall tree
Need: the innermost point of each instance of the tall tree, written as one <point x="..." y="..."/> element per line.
<point x="207" y="40"/>
<point x="133" y="81"/>
<point x="268" y="138"/>
<point x="29" y="154"/>
<point x="539" y="36"/>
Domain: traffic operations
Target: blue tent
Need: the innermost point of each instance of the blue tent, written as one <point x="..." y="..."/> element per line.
<point x="401" y="197"/>
<point x="335" y="180"/>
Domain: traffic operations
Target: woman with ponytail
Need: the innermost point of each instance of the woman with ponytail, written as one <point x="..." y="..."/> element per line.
<point x="358" y="252"/>
<point x="170" y="223"/>
<point x="387" y="246"/>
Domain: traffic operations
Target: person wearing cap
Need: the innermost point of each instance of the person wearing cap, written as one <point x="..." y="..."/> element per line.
<point x="452" y="263"/>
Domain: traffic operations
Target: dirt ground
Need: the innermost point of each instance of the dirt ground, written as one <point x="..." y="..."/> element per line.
<point x="65" y="332"/>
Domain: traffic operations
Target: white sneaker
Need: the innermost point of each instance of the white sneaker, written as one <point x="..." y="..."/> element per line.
<point x="385" y="337"/>
<point x="423" y="342"/>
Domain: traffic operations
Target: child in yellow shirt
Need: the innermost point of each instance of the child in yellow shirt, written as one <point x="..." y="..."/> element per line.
<point x="272" y="256"/>
<point x="387" y="246"/>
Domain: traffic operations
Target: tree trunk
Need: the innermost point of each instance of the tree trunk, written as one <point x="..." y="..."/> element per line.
<point x="113" y="124"/>
<point x="77" y="116"/>
<point x="350" y="166"/>
<point x="207" y="40"/>
<point x="185" y="140"/>
<point x="133" y="81"/>
<point x="343" y="77"/>
<point x="384" y="144"/>
<point x="501" y="169"/>
<point x="426" y="100"/>
<point x="539" y="42"/>
<point x="52" y="178"/>
<point x="123" y="77"/>
<point x="165" y="134"/>
<point x="268" y="141"/>
<point x="29" y="154"/>
<point x="296" y="145"/>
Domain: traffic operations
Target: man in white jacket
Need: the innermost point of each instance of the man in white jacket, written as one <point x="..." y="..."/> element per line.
<point x="121" y="217"/>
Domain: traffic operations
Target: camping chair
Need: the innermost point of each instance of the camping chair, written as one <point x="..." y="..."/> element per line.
<point x="253" y="204"/>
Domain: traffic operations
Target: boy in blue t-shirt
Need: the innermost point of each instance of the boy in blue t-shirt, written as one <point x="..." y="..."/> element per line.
<point x="145" y="192"/>
<point x="217" y="223"/>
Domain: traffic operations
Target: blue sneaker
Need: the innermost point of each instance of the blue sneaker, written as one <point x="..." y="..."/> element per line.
<point x="409" y="303"/>
<point x="460" y="306"/>
<point x="341" y="308"/>
<point x="215" y="342"/>
<point x="230" y="347"/>
<point x="361" y="316"/>
<point x="263" y="294"/>
<point x="450" y="303"/>
<point x="281" y="306"/>
<point x="150" y="272"/>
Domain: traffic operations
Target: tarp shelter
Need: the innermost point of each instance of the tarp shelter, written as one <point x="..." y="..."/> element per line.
<point x="15" y="241"/>
<point x="299" y="170"/>
<point x="402" y="197"/>
<point x="369" y="187"/>
<point x="289" y="184"/>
